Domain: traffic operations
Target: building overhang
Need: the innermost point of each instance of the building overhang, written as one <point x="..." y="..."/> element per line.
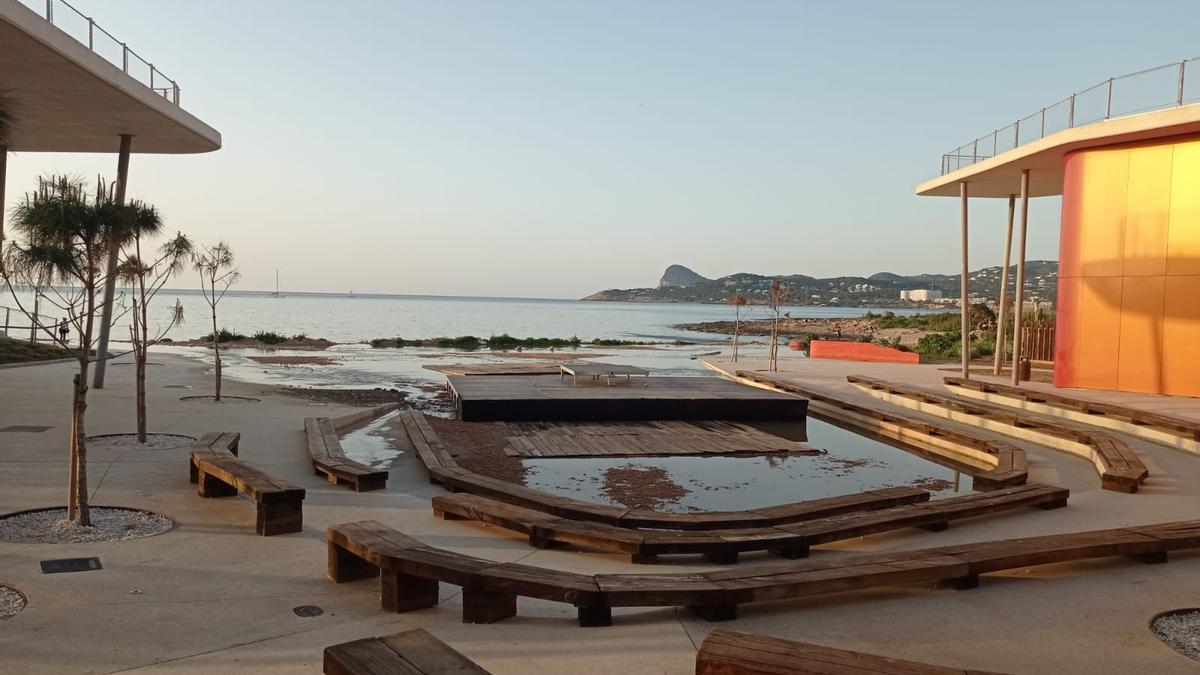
<point x="69" y="99"/>
<point x="1000" y="176"/>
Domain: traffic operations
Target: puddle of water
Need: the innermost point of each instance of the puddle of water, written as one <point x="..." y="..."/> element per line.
<point x="373" y="444"/>
<point x="854" y="463"/>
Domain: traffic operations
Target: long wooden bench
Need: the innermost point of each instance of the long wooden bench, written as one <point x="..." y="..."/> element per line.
<point x="1178" y="432"/>
<point x="330" y="461"/>
<point x="214" y="466"/>
<point x="1120" y="468"/>
<point x="411" y="572"/>
<point x="726" y="652"/>
<point x="443" y="469"/>
<point x="992" y="464"/>
<point x="411" y="652"/>
<point x="724" y="546"/>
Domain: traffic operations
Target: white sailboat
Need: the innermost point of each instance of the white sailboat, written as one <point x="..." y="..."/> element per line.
<point x="276" y="294"/>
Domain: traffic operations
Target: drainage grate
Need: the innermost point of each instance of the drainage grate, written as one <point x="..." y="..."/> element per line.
<point x="24" y="429"/>
<point x="308" y="610"/>
<point x="70" y="565"/>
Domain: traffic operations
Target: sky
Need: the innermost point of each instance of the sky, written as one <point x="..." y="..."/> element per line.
<point x="555" y="148"/>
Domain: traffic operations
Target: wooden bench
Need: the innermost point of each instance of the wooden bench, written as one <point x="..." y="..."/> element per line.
<point x="724" y="546"/>
<point x="595" y="371"/>
<point x="1120" y="468"/>
<point x="412" y="652"/>
<point x="410" y="572"/>
<point x="992" y="464"/>
<point x="218" y="472"/>
<point x="1177" y="432"/>
<point x="330" y="461"/>
<point x="443" y="469"/>
<point x="726" y="652"/>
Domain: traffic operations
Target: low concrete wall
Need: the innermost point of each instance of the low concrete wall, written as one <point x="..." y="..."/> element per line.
<point x="843" y="350"/>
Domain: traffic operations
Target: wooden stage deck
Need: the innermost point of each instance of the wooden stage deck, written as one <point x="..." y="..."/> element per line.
<point x="640" y="439"/>
<point x="519" y="398"/>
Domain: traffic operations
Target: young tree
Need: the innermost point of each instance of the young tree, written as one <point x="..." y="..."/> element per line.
<point x="217" y="274"/>
<point x="147" y="277"/>
<point x="778" y="297"/>
<point x="739" y="304"/>
<point x="64" y="235"/>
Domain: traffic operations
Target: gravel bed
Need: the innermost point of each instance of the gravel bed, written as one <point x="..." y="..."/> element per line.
<point x="51" y="526"/>
<point x="11" y="602"/>
<point x="1181" y="631"/>
<point x="130" y="442"/>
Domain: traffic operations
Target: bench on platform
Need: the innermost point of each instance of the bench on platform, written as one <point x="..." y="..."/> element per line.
<point x="1171" y="430"/>
<point x="410" y="572"/>
<point x="726" y="652"/>
<point x="443" y="469"/>
<point x="723" y="546"/>
<point x="412" y="652"/>
<point x="992" y="464"/>
<point x="218" y="472"/>
<point x="330" y="461"/>
<point x="1120" y="468"/>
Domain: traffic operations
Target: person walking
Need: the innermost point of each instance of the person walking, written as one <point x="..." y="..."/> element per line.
<point x="64" y="329"/>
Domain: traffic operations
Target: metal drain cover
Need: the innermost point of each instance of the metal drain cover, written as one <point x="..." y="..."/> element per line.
<point x="26" y="429"/>
<point x="70" y="565"/>
<point x="307" y="610"/>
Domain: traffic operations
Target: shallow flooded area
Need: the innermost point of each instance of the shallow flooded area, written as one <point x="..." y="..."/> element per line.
<point x="853" y="463"/>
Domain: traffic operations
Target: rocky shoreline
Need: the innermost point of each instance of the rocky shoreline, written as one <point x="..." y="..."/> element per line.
<point x="809" y="328"/>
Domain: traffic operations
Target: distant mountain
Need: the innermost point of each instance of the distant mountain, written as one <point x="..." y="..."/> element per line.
<point x="678" y="275"/>
<point x="680" y="284"/>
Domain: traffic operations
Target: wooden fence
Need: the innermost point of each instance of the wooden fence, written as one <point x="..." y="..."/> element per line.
<point x="1037" y="342"/>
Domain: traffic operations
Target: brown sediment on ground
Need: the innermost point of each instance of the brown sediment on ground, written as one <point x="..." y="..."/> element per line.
<point x="478" y="447"/>
<point x="565" y="355"/>
<point x="822" y="329"/>
<point x="355" y="397"/>
<point x="641" y="487"/>
<point x="294" y="360"/>
<point x="933" y="484"/>
<point x="1041" y="375"/>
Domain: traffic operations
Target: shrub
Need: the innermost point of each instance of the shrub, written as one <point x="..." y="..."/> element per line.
<point x="224" y="335"/>
<point x="467" y="342"/>
<point x="300" y="336"/>
<point x="269" y="337"/>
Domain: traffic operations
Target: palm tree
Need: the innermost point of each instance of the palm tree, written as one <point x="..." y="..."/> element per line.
<point x="217" y="274"/>
<point x="147" y="279"/>
<point x="66" y="233"/>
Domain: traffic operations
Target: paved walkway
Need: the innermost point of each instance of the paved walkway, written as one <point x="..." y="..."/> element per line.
<point x="211" y="596"/>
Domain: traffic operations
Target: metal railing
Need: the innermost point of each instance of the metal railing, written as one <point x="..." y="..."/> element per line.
<point x="86" y="31"/>
<point x="1157" y="88"/>
<point x="18" y="325"/>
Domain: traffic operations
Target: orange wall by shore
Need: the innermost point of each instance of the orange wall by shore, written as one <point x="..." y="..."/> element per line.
<point x="1129" y="270"/>
<point x="844" y="350"/>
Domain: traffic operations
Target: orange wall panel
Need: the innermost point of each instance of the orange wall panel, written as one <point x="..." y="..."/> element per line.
<point x="1129" y="274"/>
<point x="1139" y="360"/>
<point x="1147" y="206"/>
<point x="1181" y="336"/>
<point x="1103" y="214"/>
<point x="1183" y="242"/>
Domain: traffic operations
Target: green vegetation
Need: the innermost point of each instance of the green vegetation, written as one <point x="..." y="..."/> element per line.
<point x="506" y="341"/>
<point x="300" y="336"/>
<point x="224" y="335"/>
<point x="269" y="337"/>
<point x="946" y="321"/>
<point x="19" y="351"/>
<point x="943" y="346"/>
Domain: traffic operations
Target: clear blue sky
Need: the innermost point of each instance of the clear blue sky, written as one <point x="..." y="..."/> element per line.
<point x="555" y="148"/>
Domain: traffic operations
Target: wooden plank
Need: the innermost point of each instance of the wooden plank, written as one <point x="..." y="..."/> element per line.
<point x="369" y="656"/>
<point x="429" y="655"/>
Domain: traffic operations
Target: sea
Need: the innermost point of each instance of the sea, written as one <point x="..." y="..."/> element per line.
<point x="352" y="320"/>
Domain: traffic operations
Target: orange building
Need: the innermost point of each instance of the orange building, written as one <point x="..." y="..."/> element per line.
<point x="1128" y="311"/>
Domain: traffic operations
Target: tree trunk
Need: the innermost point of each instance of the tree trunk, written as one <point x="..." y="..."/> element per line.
<point x="736" y="325"/>
<point x="140" y="355"/>
<point x="72" y="481"/>
<point x="216" y="354"/>
<point x="82" y="511"/>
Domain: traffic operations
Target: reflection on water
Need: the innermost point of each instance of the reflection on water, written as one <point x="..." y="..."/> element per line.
<point x="713" y="483"/>
<point x="373" y="444"/>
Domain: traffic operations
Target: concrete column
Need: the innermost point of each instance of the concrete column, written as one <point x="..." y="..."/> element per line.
<point x="964" y="304"/>
<point x="1001" y="325"/>
<point x="1020" y="290"/>
<point x="114" y="252"/>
